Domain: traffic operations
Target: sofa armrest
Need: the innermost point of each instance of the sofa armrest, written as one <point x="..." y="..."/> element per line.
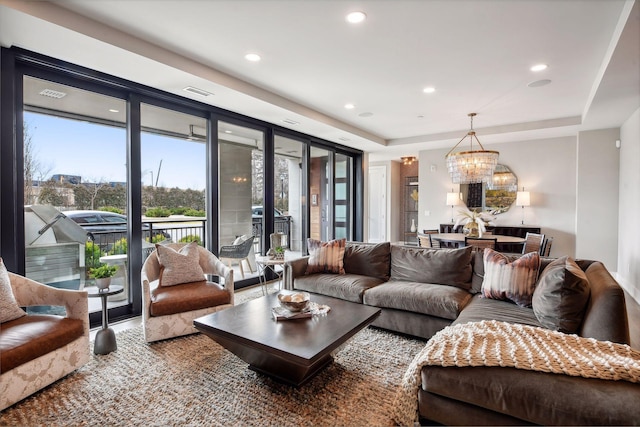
<point x="294" y="268"/>
<point x="28" y="292"/>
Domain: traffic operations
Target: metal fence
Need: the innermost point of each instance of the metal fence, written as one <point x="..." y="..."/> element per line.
<point x="282" y="224"/>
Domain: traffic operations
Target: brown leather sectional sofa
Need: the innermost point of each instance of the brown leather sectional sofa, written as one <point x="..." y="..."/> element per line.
<point x="421" y="291"/>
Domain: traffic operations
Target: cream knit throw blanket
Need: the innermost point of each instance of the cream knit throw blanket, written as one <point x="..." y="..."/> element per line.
<point x="493" y="343"/>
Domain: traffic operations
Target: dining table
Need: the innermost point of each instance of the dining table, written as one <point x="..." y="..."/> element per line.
<point x="457" y="239"/>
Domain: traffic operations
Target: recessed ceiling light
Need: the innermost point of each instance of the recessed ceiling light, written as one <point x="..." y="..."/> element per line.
<point x="228" y="131"/>
<point x="539" y="67"/>
<point x="113" y="110"/>
<point x="342" y="138"/>
<point x="253" y="57"/>
<point x="290" y="121"/>
<point x="539" y="83"/>
<point x="356" y="17"/>
<point x="429" y="89"/>
<point x="349" y="106"/>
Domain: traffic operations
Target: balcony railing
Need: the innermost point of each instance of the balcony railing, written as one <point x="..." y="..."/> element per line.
<point x="282" y="224"/>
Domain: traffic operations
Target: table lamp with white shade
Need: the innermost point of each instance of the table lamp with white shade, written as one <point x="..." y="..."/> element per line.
<point x="523" y="199"/>
<point x="453" y="199"/>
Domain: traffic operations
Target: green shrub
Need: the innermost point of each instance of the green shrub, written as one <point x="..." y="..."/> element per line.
<point x="157" y="238"/>
<point x="178" y="211"/>
<point x="111" y="209"/>
<point x="158" y="213"/>
<point x="194" y="212"/>
<point x="191" y="238"/>
<point x="92" y="254"/>
<point x="119" y="247"/>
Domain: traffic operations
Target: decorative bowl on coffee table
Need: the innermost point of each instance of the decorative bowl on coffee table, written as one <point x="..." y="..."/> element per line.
<point x="296" y="301"/>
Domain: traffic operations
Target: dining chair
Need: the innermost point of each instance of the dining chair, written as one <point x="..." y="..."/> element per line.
<point x="533" y="243"/>
<point x="546" y="247"/>
<point x="425" y="240"/>
<point x="481" y="243"/>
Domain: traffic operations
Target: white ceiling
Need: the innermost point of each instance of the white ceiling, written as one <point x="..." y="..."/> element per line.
<point x="476" y="53"/>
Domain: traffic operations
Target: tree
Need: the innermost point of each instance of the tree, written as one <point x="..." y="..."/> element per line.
<point x="51" y="194"/>
<point x="34" y="169"/>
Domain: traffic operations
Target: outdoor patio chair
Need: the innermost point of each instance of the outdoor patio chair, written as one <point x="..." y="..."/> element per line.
<point x="237" y="252"/>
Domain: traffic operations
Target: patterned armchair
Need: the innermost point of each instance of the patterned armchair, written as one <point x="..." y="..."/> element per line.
<point x="37" y="350"/>
<point x="169" y="311"/>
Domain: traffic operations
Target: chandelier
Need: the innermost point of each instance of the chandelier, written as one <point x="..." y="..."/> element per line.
<point x="408" y="160"/>
<point x="473" y="166"/>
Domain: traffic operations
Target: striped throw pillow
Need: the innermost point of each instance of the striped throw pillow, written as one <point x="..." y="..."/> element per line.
<point x="506" y="280"/>
<point x="326" y="257"/>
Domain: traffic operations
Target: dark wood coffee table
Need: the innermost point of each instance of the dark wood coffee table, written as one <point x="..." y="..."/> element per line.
<point x="291" y="351"/>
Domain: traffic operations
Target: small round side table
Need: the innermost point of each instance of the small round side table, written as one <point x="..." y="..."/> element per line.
<point x="105" y="341"/>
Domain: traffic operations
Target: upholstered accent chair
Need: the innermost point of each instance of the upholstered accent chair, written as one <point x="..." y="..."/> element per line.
<point x="169" y="310"/>
<point x="37" y="350"/>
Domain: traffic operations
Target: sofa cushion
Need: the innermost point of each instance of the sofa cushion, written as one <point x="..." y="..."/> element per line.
<point x="561" y="296"/>
<point x="29" y="337"/>
<point x="479" y="309"/>
<point x="442" y="266"/>
<point x="178" y="267"/>
<point x="349" y="287"/>
<point x="326" y="257"/>
<point x="426" y="298"/>
<point x="166" y="300"/>
<point x="9" y="308"/>
<point x="510" y="280"/>
<point x="368" y="259"/>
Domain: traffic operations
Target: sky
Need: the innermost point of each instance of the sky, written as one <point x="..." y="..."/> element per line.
<point x="98" y="153"/>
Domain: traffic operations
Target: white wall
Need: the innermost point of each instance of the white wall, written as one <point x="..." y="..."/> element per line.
<point x="597" y="197"/>
<point x="547" y="168"/>
<point x="628" y="224"/>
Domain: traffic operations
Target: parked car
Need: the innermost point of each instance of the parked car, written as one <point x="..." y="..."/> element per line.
<point x="107" y="227"/>
<point x="256" y="212"/>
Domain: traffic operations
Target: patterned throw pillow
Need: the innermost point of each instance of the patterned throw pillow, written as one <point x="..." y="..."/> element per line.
<point x="506" y="280"/>
<point x="178" y="267"/>
<point x="561" y="296"/>
<point x="9" y="308"/>
<point x="326" y="257"/>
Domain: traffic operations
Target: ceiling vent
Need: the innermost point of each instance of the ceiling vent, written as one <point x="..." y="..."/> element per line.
<point x="197" y="91"/>
<point x="53" y="93"/>
<point x="290" y="122"/>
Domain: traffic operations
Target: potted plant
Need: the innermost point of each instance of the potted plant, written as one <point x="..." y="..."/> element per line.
<point x="278" y="252"/>
<point x="103" y="275"/>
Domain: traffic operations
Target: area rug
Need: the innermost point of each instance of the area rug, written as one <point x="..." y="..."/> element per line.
<point x="192" y="381"/>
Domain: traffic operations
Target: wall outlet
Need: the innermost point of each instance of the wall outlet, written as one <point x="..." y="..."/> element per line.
<point x="427" y="213"/>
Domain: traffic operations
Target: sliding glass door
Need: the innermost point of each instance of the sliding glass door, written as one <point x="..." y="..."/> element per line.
<point x="75" y="184"/>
